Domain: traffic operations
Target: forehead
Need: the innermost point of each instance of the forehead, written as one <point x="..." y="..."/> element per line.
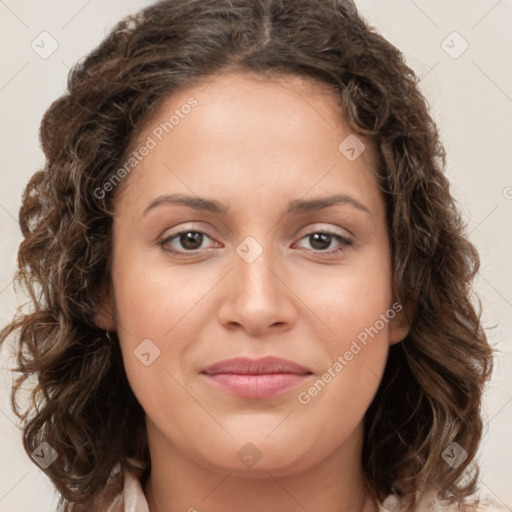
<point x="280" y="101"/>
<point x="248" y="132"/>
<point x="237" y="104"/>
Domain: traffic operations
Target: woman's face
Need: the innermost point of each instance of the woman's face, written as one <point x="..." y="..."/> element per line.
<point x="287" y="256"/>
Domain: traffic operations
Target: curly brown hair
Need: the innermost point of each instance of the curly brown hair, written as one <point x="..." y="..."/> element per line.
<point x="82" y="404"/>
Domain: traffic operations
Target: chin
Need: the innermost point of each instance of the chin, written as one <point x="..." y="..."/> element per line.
<point x="260" y="457"/>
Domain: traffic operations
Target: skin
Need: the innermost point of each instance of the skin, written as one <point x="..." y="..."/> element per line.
<point x="252" y="144"/>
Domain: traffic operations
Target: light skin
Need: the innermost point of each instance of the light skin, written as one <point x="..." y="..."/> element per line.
<point x="253" y="145"/>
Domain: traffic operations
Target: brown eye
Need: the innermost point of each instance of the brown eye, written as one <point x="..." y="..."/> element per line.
<point x="320" y="241"/>
<point x="184" y="241"/>
<point x="191" y="239"/>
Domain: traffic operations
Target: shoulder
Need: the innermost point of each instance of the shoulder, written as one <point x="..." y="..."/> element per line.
<point x="488" y="504"/>
<point x="123" y="493"/>
<point x="484" y="504"/>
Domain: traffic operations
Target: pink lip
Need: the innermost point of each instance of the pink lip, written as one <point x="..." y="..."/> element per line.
<point x="256" y="378"/>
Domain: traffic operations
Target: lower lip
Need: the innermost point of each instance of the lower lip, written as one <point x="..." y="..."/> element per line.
<point x="256" y="386"/>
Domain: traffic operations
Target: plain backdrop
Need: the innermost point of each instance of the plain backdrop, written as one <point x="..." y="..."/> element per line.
<point x="461" y="49"/>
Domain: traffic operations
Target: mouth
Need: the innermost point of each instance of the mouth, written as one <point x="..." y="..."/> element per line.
<point x="256" y="378"/>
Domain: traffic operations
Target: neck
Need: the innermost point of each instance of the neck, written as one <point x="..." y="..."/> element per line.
<point x="177" y="483"/>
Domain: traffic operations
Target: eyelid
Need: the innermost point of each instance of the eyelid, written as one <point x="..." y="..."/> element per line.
<point x="318" y="227"/>
<point x="180" y="228"/>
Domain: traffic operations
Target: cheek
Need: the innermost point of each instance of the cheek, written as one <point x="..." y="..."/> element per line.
<point x="352" y="298"/>
<point x="151" y="309"/>
<point x="358" y="312"/>
<point x="356" y="305"/>
<point x="339" y="398"/>
<point x="158" y="310"/>
<point x="350" y="303"/>
<point x="155" y="300"/>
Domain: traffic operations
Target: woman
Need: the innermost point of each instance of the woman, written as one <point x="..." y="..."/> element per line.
<point x="251" y="284"/>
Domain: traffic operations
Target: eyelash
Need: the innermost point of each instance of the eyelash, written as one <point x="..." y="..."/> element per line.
<point x="345" y="243"/>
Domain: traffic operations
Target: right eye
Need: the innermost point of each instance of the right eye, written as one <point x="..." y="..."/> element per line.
<point x="183" y="242"/>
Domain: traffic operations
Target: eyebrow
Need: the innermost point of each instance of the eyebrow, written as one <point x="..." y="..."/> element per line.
<point x="294" y="207"/>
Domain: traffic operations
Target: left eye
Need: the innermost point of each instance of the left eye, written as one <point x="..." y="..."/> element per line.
<point x="321" y="241"/>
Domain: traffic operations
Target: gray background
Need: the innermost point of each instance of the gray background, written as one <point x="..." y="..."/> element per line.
<point x="471" y="98"/>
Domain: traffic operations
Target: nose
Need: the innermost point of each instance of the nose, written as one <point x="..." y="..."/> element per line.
<point x="258" y="298"/>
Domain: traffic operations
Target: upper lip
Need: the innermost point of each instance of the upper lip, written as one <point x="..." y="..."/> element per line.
<point x="246" y="366"/>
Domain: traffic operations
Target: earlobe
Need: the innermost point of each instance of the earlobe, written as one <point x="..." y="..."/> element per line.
<point x="398" y="328"/>
<point x="104" y="316"/>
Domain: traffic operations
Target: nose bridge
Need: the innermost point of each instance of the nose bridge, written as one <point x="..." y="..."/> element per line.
<point x="258" y="298"/>
<point x="252" y="268"/>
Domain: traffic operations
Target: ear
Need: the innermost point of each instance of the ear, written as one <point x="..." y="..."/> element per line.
<point x="104" y="316"/>
<point x="398" y="325"/>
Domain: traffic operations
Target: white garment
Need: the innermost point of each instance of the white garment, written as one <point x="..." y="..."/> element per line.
<point x="131" y="498"/>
